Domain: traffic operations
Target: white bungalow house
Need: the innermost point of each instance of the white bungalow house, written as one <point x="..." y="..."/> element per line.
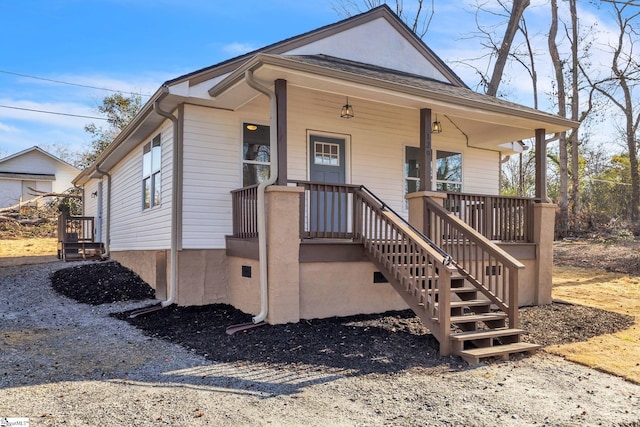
<point x="33" y="168"/>
<point x="349" y="130"/>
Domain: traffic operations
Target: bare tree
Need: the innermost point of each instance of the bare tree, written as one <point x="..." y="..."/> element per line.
<point x="417" y="18"/>
<point x="517" y="10"/>
<point x="558" y="66"/>
<point x="622" y="85"/>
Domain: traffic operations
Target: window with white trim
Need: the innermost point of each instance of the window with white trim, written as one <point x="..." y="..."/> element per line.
<point x="411" y="170"/>
<point x="256" y="154"/>
<point x="151" y="173"/>
<point x="447" y="170"/>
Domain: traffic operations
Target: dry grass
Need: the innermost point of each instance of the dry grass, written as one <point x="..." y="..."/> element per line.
<point x="27" y="251"/>
<point x="617" y="353"/>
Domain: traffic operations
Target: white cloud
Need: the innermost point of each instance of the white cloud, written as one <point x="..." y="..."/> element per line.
<point x="238" y="48"/>
<point x="8" y="129"/>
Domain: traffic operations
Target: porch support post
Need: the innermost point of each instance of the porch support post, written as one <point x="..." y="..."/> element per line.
<point x="418" y="215"/>
<point x="283" y="253"/>
<point x="544" y="215"/>
<point x="424" y="156"/>
<point x="281" y="100"/>
<point x="541" y="166"/>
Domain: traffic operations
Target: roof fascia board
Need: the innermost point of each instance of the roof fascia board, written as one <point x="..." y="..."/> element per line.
<point x="137" y="121"/>
<point x="40" y="150"/>
<point x="19" y="176"/>
<point x="264" y="59"/>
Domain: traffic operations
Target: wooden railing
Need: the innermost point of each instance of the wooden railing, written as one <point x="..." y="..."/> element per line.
<point x="76" y="229"/>
<point x="504" y="218"/>
<point x="326" y="210"/>
<point x="419" y="271"/>
<point x="493" y="271"/>
<point x="245" y="212"/>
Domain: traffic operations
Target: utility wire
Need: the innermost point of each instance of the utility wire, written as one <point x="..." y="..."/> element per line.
<point x="72" y="84"/>
<point x="53" y="112"/>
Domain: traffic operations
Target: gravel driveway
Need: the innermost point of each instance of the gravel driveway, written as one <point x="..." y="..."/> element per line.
<point x="64" y="363"/>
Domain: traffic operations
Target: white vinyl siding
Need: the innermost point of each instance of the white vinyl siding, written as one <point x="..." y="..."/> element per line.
<point x="378" y="135"/>
<point x="133" y="228"/>
<point x="212" y="168"/>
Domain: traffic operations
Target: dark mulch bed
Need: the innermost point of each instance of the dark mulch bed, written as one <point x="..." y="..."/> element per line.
<point x="381" y="343"/>
<point x="100" y="283"/>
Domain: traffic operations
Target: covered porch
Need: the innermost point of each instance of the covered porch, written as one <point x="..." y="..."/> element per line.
<point x="330" y="245"/>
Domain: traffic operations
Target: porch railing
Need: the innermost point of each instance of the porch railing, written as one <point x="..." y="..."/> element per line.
<point x="76" y="229"/>
<point x="245" y="212"/>
<point x="326" y="210"/>
<point x="504" y="218"/>
<point x="493" y="271"/>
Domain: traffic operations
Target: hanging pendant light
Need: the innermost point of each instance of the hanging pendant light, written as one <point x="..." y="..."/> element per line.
<point x="347" y="110"/>
<point x="436" y="126"/>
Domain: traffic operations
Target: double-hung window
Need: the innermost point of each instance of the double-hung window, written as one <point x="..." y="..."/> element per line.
<point x="447" y="169"/>
<point x="256" y="154"/>
<point x="151" y="173"/>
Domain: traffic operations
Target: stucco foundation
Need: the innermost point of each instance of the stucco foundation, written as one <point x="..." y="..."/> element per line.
<point x="151" y="266"/>
<point x="202" y="277"/>
<point x="244" y="292"/>
<point x="344" y="289"/>
<point x="202" y="273"/>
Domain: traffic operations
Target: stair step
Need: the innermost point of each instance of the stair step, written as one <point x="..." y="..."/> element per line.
<point x="470" y="303"/>
<point x="482" y="317"/>
<point x="482" y="334"/>
<point x="474" y="355"/>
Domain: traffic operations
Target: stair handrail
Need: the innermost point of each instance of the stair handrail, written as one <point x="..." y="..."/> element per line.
<point x="509" y="262"/>
<point x="446" y="260"/>
<point x="429" y="297"/>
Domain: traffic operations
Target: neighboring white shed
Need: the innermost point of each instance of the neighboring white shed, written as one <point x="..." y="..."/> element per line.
<point x="33" y="168"/>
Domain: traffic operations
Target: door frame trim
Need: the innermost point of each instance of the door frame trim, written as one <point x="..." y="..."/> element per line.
<point x="347" y="151"/>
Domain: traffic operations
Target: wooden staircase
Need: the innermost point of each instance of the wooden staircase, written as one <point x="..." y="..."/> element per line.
<point x="472" y="316"/>
<point x="76" y="238"/>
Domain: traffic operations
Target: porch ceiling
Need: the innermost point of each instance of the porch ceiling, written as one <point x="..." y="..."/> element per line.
<point x="483" y="120"/>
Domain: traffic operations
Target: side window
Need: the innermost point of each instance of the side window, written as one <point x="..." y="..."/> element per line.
<point x="411" y="170"/>
<point x="151" y="173"/>
<point x="447" y="168"/>
<point x="256" y="154"/>
<point x="448" y="171"/>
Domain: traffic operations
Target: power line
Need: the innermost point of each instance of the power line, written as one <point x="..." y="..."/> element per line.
<point x="52" y="112"/>
<point x="72" y="84"/>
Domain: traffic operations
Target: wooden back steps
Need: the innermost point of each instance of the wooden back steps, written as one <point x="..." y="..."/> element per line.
<point x="76" y="238"/>
<point x="467" y="319"/>
<point x="74" y="251"/>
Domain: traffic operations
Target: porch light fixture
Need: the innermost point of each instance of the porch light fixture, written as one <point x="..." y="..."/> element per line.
<point x="347" y="110"/>
<point x="436" y="126"/>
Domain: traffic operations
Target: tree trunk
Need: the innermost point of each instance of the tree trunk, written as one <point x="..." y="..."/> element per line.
<point x="517" y="10"/>
<point x="563" y="220"/>
<point x="574" y="139"/>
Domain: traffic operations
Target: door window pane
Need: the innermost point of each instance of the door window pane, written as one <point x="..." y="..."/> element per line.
<point x="326" y="153"/>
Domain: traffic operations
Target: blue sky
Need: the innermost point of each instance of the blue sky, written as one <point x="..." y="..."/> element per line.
<point x="137" y="45"/>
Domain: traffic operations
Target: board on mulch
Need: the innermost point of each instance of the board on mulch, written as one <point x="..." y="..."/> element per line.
<point x="380" y="343"/>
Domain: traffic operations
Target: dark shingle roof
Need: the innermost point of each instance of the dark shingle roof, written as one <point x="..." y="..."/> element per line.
<point x="408" y="80"/>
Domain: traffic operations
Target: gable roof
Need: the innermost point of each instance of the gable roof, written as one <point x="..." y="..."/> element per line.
<point x="36" y="149"/>
<point x="224" y="86"/>
<point x="383" y="11"/>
